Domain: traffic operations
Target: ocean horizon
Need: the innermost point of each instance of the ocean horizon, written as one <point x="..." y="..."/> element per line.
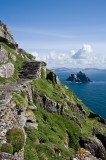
<point x="92" y="94"/>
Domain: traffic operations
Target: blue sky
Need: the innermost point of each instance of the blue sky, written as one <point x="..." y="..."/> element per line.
<point x="62" y="28"/>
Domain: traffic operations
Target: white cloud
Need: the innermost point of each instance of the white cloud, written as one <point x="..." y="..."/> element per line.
<point x="84" y="52"/>
<point x="36" y="56"/>
<point x="82" y="58"/>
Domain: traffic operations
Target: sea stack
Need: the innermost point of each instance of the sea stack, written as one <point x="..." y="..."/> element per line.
<point x="79" y="77"/>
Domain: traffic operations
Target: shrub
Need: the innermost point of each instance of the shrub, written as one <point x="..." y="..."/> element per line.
<point x="7" y="147"/>
<point x="16" y="138"/>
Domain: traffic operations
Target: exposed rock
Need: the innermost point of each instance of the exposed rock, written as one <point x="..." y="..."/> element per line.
<point x="32" y="107"/>
<point x="29" y="119"/>
<point x="83" y="154"/>
<point x="3" y="55"/>
<point x="24" y="54"/>
<point x="94" y="146"/>
<point x="7" y="70"/>
<point x="79" y="77"/>
<point x="100" y="119"/>
<point x="31" y="70"/>
<point x="7" y="156"/>
<point x="50" y="105"/>
<point x="6" y="36"/>
<point x="74" y="119"/>
<point x="10" y="116"/>
<point x="13" y="56"/>
<point x="102" y="138"/>
<point x="16" y="156"/>
<point x="79" y="110"/>
<point x="53" y="77"/>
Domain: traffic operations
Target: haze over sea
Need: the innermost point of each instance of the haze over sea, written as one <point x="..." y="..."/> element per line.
<point x="93" y="94"/>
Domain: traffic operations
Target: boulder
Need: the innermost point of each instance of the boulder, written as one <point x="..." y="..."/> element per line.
<point x="3" y="55"/>
<point x="94" y="146"/>
<point x="7" y="70"/>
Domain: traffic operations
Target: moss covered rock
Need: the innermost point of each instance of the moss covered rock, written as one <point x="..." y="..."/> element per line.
<point x="7" y="147"/>
<point x="16" y="137"/>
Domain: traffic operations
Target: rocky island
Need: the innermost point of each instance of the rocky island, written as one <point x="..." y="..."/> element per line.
<point x="40" y="118"/>
<point x="79" y="77"/>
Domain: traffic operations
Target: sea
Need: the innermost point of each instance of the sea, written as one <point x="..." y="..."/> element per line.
<point x="92" y="94"/>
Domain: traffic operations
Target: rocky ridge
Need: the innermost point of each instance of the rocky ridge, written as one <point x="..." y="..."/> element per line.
<point x="34" y="101"/>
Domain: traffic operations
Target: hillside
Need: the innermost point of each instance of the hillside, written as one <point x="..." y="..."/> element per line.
<point x="40" y="118"/>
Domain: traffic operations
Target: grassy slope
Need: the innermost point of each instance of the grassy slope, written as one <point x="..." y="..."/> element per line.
<point x="48" y="141"/>
<point x="54" y="131"/>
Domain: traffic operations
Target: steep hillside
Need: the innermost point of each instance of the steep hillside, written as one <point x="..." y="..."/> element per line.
<point x="40" y="118"/>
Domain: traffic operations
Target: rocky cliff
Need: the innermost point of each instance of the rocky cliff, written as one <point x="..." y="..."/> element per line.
<point x="79" y="77"/>
<point x="40" y="118"/>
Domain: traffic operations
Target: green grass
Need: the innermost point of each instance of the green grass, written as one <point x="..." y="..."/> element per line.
<point x="30" y="56"/>
<point x="51" y="136"/>
<point x="55" y="92"/>
<point x="20" y="99"/>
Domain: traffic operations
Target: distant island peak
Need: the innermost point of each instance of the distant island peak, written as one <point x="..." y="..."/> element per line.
<point x="79" y="77"/>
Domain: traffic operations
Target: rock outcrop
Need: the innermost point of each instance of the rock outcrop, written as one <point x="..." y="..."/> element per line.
<point x="6" y="36"/>
<point x="31" y="70"/>
<point x="3" y="55"/>
<point x="100" y="119"/>
<point x="74" y="119"/>
<point x="7" y="70"/>
<point x="77" y="108"/>
<point x="49" y="104"/>
<point x="94" y="146"/>
<point x="79" y="77"/>
<point x="53" y="77"/>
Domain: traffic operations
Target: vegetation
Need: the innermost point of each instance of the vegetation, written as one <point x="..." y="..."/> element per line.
<point x="16" y="138"/>
<point x="7" y="147"/>
<point x="57" y="138"/>
<point x="20" y="99"/>
<point x="30" y="56"/>
<point x="48" y="142"/>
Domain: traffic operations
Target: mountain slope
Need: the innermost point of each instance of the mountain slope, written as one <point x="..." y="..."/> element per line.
<point x="40" y="117"/>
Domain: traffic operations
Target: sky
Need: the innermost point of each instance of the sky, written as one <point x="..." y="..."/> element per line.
<point x="64" y="33"/>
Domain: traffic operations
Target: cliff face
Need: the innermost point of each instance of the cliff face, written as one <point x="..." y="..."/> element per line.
<point x="40" y="118"/>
